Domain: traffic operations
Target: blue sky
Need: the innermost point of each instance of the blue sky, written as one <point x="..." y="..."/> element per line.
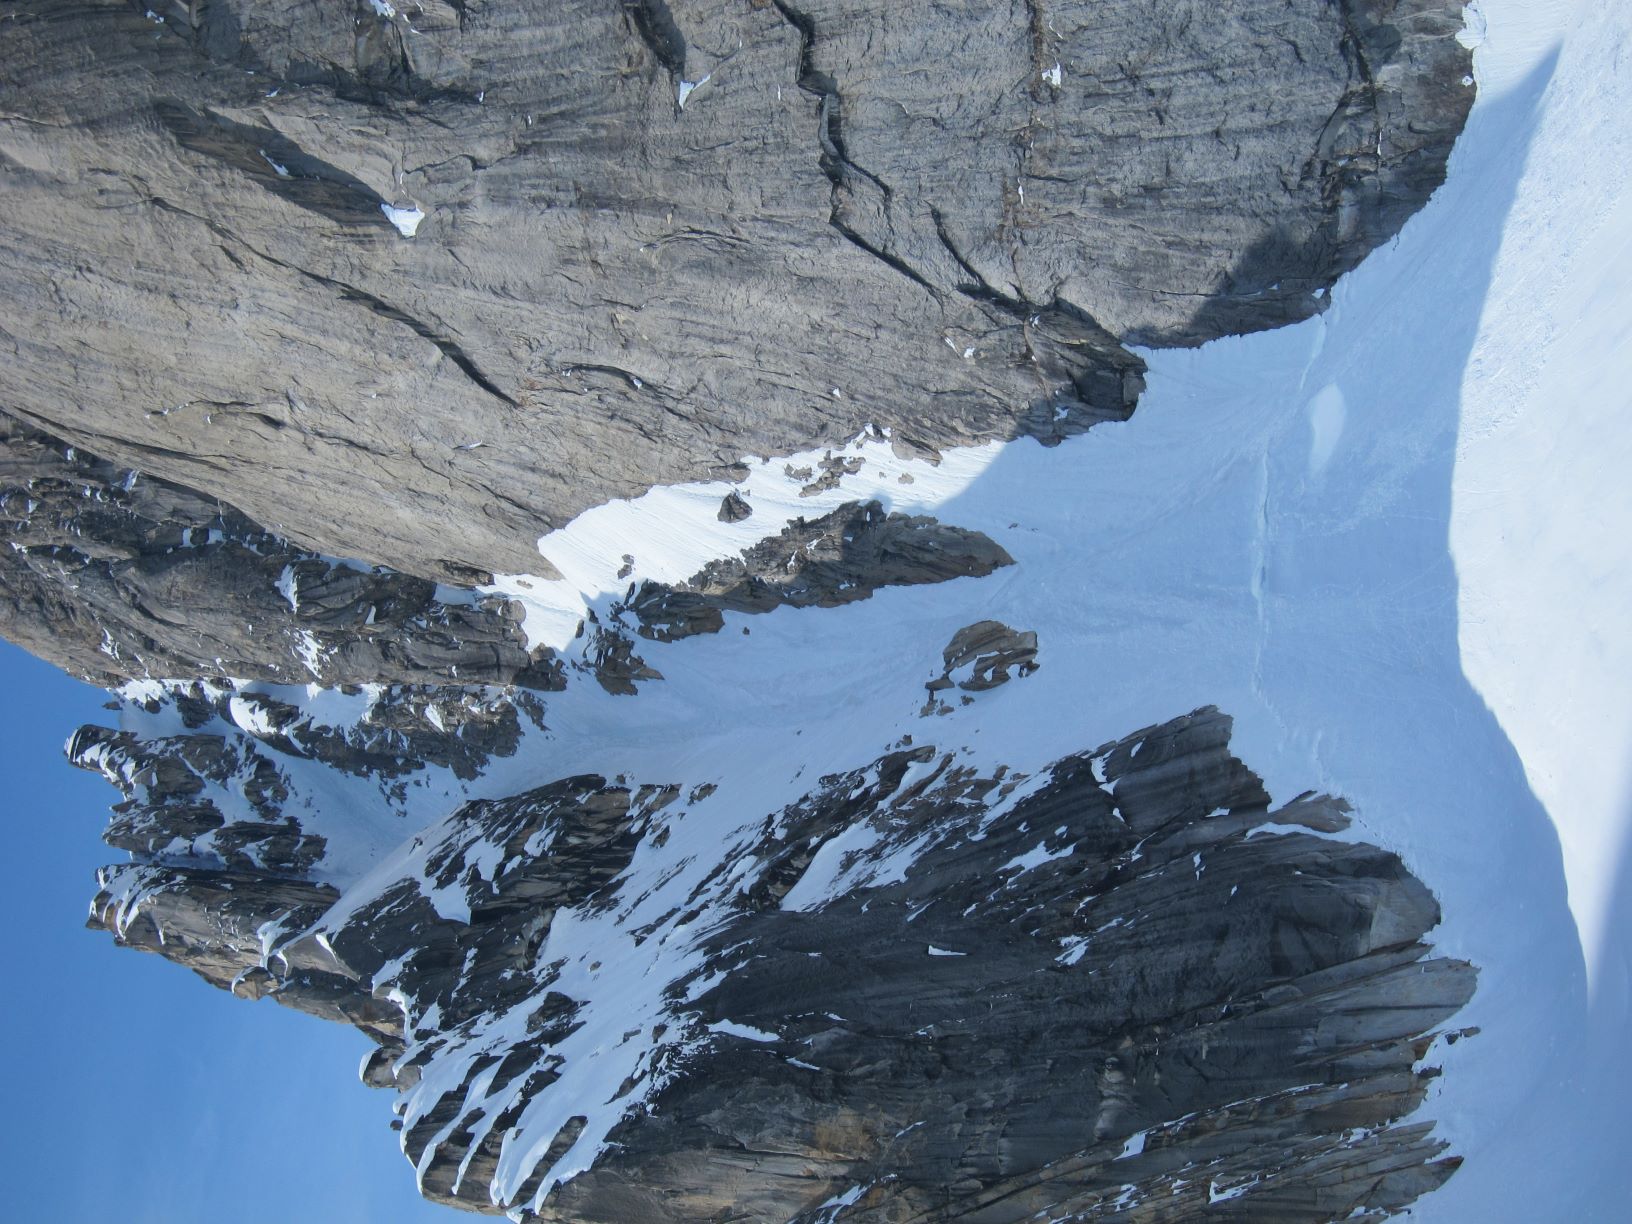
<point x="134" y="1090"/>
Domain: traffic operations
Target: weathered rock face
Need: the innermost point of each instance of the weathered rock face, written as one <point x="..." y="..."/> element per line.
<point x="817" y="563"/>
<point x="114" y="575"/>
<point x="655" y="237"/>
<point x="217" y="793"/>
<point x="922" y="992"/>
<point x="981" y="656"/>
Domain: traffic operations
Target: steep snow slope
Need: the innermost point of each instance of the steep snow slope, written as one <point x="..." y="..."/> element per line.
<point x="1541" y="501"/>
<point x="1541" y="508"/>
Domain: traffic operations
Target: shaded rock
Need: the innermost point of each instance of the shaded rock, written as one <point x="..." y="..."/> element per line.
<point x="116" y="575"/>
<point x="221" y="925"/>
<point x="172" y="809"/>
<point x="610" y="657"/>
<point x="924" y="989"/>
<point x="834" y="468"/>
<point x="218" y="795"/>
<point x="734" y="508"/>
<point x="824" y="562"/>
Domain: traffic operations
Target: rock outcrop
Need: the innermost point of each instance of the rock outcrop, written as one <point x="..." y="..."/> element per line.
<point x="114" y="575"/>
<point x="734" y="508"/>
<point x="474" y="268"/>
<point x="816" y="563"/>
<point x="980" y="657"/>
<point x="220" y="792"/>
<point x="1099" y="989"/>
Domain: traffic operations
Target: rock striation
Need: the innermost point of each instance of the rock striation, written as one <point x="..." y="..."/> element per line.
<point x="114" y="575"/>
<point x="923" y="991"/>
<point x="980" y="656"/>
<point x="485" y="266"/>
<point x="825" y="562"/>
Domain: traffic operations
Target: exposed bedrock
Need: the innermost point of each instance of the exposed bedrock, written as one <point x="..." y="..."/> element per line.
<point x="224" y="791"/>
<point x="468" y="269"/>
<point x="115" y="575"/>
<point x="823" y="562"/>
<point x="1126" y="986"/>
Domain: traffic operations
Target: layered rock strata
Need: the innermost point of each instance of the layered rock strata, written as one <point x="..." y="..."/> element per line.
<point x="116" y="575"/>
<point x="825" y="562"/>
<point x="1125" y="986"/>
<point x="479" y="267"/>
<point x="981" y="656"/>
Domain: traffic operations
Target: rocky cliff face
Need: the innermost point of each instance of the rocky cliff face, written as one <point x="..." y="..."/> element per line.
<point x="115" y="575"/>
<point x="919" y="992"/>
<point x="485" y="266"/>
<point x="697" y="909"/>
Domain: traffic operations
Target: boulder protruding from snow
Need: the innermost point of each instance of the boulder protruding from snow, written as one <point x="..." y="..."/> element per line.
<point x="980" y="657"/>
<point x="734" y="508"/>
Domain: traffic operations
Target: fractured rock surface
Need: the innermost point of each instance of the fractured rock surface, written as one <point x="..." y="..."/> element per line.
<point x="479" y="267"/>
<point x="979" y="657"/>
<point x="220" y="793"/>
<point x="817" y="563"/>
<point x="1100" y="990"/>
<point x="115" y="575"/>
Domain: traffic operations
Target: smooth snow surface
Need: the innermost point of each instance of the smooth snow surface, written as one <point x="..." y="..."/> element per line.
<point x="1392" y="542"/>
<point x="1542" y="497"/>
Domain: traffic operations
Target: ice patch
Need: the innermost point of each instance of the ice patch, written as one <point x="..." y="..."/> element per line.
<point x="1217" y="1195"/>
<point x="286" y="587"/>
<point x="1472" y="33"/>
<point x="251" y="716"/>
<point x="405" y="219"/>
<point x="732" y="1029"/>
<point x="1036" y="857"/>
<point x="311" y="653"/>
<point x="687" y="88"/>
